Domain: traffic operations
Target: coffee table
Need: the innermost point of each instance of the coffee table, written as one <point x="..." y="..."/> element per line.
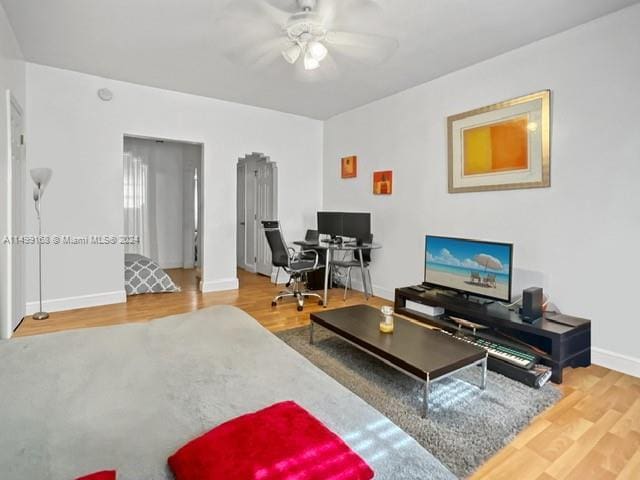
<point x="423" y="354"/>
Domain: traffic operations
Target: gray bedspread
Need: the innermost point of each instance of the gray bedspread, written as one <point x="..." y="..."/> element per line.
<point x="143" y="275"/>
<point x="127" y="396"/>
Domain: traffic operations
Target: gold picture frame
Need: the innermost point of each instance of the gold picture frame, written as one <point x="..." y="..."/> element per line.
<point x="504" y="146"/>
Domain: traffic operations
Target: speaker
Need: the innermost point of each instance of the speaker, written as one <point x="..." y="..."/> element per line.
<point x="531" y="304"/>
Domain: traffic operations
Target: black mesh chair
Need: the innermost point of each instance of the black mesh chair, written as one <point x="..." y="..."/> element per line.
<point x="348" y="264"/>
<point x="296" y="264"/>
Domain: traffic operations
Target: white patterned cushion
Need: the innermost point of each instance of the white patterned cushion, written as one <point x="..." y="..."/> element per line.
<point x="143" y="275"/>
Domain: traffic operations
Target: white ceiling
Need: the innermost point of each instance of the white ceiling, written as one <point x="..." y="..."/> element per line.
<point x="176" y="44"/>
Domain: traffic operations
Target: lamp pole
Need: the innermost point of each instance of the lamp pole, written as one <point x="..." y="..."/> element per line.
<point x="41" y="177"/>
<point x="39" y="315"/>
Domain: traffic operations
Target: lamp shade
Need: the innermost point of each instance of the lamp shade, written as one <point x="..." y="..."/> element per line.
<point x="41" y="176"/>
<point x="310" y="63"/>
<point x="292" y="53"/>
<point x="317" y="50"/>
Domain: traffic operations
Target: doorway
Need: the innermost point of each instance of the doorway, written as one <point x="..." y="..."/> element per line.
<point x="16" y="194"/>
<point x="163" y="206"/>
<point x="257" y="193"/>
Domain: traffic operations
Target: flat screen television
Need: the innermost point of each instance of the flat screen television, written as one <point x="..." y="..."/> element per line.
<point x="474" y="267"/>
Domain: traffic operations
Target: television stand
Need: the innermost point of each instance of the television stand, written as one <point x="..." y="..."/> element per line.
<point x="469" y="297"/>
<point x="560" y="343"/>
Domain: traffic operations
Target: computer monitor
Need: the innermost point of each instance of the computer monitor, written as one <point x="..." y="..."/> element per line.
<point x="474" y="267"/>
<point x="356" y="225"/>
<point x="330" y="223"/>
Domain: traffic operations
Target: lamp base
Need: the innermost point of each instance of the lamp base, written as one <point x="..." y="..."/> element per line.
<point x="40" y="316"/>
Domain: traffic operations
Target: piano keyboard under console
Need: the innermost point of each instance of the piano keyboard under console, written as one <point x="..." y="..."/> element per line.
<point x="509" y="361"/>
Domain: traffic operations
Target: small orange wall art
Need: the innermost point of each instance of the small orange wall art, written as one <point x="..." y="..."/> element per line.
<point x="383" y="182"/>
<point x="350" y="167"/>
<point x="498" y="147"/>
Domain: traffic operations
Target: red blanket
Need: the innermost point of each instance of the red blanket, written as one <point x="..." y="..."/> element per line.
<point x="280" y="442"/>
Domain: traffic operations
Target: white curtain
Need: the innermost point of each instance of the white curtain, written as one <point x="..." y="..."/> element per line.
<point x="139" y="195"/>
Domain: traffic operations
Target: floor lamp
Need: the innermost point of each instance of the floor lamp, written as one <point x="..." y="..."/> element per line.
<point x="41" y="177"/>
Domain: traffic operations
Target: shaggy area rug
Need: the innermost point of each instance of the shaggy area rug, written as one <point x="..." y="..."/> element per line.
<point x="465" y="425"/>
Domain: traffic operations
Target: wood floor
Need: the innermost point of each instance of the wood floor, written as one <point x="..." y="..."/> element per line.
<point x="592" y="433"/>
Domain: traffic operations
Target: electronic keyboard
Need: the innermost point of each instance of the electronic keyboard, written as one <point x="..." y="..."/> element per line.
<point x="503" y="352"/>
<point x="535" y="377"/>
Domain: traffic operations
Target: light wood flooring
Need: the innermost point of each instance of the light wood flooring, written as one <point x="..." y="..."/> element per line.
<point x="592" y="433"/>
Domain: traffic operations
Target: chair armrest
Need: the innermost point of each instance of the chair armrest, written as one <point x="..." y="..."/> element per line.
<point x="315" y="263"/>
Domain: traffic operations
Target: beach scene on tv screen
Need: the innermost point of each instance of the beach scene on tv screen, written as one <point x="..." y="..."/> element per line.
<point x="470" y="266"/>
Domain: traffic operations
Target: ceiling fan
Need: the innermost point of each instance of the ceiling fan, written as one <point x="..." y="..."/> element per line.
<point x="306" y="32"/>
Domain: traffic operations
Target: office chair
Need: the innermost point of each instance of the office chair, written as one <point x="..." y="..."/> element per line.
<point x="292" y="263"/>
<point x="355" y="262"/>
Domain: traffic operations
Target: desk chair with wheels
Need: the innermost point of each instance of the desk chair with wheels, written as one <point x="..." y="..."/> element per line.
<point x="296" y="264"/>
<point x="348" y="264"/>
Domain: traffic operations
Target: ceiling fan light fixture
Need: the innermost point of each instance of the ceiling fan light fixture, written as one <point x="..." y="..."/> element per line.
<point x="317" y="50"/>
<point x="310" y="63"/>
<point x="292" y="53"/>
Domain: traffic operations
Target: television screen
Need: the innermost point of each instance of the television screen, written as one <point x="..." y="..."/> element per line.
<point x="470" y="266"/>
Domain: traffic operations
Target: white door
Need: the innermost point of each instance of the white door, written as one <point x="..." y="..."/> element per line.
<point x="266" y="210"/>
<point x="241" y="227"/>
<point x="17" y="185"/>
<point x="250" y="206"/>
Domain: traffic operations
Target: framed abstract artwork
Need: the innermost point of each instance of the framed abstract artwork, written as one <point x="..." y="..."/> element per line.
<point x="383" y="182"/>
<point x="504" y="146"/>
<point x="350" y="167"/>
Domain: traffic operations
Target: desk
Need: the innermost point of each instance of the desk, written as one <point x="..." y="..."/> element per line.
<point x="329" y="248"/>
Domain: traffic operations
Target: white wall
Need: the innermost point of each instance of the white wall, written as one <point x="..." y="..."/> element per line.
<point x="81" y="138"/>
<point x="582" y="234"/>
<point x="12" y="77"/>
<point x="167" y="167"/>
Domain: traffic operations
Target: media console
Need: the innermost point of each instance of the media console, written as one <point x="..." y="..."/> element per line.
<point x="565" y="342"/>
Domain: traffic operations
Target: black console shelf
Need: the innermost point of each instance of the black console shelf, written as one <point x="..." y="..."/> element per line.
<point x="564" y="345"/>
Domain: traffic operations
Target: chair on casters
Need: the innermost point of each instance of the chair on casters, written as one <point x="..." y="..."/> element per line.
<point x="291" y="262"/>
<point x="355" y="262"/>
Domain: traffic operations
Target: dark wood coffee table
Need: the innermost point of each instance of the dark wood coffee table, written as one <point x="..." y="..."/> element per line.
<point x="424" y="354"/>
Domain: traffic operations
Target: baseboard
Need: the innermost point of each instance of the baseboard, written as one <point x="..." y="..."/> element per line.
<point x="283" y="277"/>
<point x="170" y="265"/>
<point x="220" y="285"/>
<point x="81" y="301"/>
<point x="378" y="291"/>
<point x="616" y="361"/>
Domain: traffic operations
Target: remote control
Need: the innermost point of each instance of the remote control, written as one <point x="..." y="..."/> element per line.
<point x="418" y="288"/>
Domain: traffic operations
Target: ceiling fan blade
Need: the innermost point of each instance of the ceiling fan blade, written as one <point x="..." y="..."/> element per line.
<point x="361" y="46"/>
<point x="246" y="29"/>
<point x="351" y="14"/>
<point x="256" y="10"/>
<point x="259" y="56"/>
<point x="326" y="10"/>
